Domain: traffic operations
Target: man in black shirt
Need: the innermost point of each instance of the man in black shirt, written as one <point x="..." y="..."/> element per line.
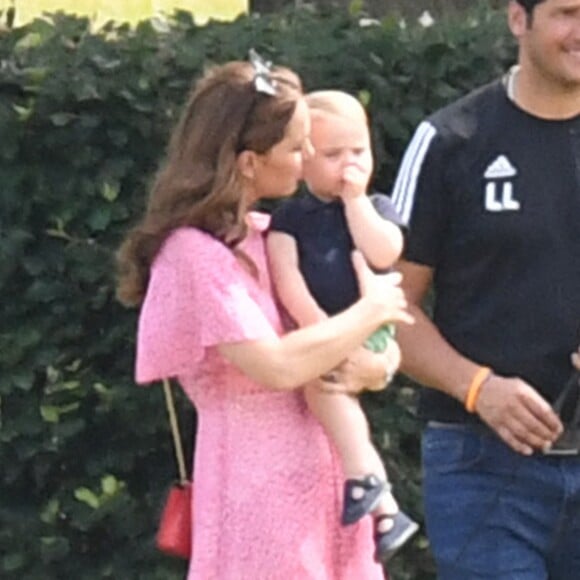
<point x="490" y="189"/>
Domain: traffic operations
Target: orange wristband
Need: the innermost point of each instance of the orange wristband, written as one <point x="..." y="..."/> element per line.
<point x="479" y="378"/>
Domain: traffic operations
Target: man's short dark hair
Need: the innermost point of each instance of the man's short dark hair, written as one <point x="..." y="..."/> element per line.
<point x="529" y="5"/>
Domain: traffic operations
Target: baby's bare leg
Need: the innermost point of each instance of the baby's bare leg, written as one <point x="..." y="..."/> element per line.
<point x="346" y="425"/>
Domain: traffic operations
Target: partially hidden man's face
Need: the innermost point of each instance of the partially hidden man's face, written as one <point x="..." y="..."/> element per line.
<point x="550" y="40"/>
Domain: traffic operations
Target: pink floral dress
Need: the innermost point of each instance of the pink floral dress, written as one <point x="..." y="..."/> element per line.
<point x="268" y="485"/>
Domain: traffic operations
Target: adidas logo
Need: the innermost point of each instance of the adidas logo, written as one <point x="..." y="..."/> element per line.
<point x="500" y="169"/>
<point x="499" y="189"/>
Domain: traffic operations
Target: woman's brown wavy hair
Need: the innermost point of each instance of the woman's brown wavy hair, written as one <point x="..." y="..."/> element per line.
<point x="198" y="184"/>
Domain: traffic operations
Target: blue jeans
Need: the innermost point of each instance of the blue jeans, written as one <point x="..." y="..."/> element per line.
<point x="493" y="514"/>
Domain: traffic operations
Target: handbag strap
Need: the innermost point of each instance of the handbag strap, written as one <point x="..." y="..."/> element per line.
<point x="177" y="443"/>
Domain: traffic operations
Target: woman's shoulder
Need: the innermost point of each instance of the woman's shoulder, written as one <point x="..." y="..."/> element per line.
<point x="189" y="242"/>
<point x="187" y="235"/>
<point x="189" y="238"/>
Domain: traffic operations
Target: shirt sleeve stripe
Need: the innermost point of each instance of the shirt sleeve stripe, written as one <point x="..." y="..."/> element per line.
<point x="406" y="182"/>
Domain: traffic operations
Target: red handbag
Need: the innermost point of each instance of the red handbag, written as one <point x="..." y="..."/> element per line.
<point x="174" y="534"/>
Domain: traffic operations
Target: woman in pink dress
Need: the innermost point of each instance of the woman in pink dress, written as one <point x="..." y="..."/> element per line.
<point x="268" y="484"/>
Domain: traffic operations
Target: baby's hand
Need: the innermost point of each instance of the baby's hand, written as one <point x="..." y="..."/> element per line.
<point x="354" y="182"/>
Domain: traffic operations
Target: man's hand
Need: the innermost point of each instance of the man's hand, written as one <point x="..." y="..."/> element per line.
<point x="518" y="414"/>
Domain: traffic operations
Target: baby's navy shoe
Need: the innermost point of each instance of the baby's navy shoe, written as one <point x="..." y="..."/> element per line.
<point x="388" y="543"/>
<point x="355" y="505"/>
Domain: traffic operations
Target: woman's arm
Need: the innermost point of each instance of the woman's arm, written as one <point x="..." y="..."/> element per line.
<point x="302" y="355"/>
<point x="289" y="283"/>
<point x="362" y="368"/>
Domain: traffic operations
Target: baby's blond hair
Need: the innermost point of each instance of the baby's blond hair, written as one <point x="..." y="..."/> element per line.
<point x="336" y="102"/>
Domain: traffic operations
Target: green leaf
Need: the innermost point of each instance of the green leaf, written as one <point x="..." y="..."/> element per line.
<point x="74" y="366"/>
<point x="70" y="386"/>
<point x="54" y="548"/>
<point x="52" y="413"/>
<point x="356" y="7"/>
<point x="30" y="40"/>
<point x="49" y="413"/>
<point x="86" y="496"/>
<point x="24" y="113"/>
<point x="23" y="379"/>
<point x="364" y="97"/>
<point x="36" y="74"/>
<point x="110" y="485"/>
<point x="100" y="218"/>
<point x="50" y="512"/>
<point x="13" y="562"/>
<point x="110" y="191"/>
<point x="60" y="386"/>
<point x="62" y="119"/>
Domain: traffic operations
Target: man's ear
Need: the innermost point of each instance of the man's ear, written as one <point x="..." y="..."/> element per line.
<point x="517" y="19"/>
<point x="246" y="162"/>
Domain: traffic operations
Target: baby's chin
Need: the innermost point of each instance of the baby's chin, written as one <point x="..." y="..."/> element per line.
<point x="325" y="196"/>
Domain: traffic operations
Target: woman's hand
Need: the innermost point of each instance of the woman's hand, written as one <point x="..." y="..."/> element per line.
<point x="382" y="290"/>
<point x="364" y="370"/>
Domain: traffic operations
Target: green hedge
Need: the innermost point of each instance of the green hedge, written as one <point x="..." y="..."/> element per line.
<point x="84" y="117"/>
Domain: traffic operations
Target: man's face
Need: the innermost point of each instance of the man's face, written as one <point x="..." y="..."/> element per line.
<point x="550" y="41"/>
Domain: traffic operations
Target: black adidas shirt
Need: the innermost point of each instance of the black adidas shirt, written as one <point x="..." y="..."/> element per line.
<point x="491" y="196"/>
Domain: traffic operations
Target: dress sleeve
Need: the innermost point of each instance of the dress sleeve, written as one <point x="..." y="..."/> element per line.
<point x="420" y="196"/>
<point x="198" y="297"/>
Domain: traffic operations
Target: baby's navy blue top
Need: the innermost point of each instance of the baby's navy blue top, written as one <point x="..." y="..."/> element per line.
<point x="325" y="245"/>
